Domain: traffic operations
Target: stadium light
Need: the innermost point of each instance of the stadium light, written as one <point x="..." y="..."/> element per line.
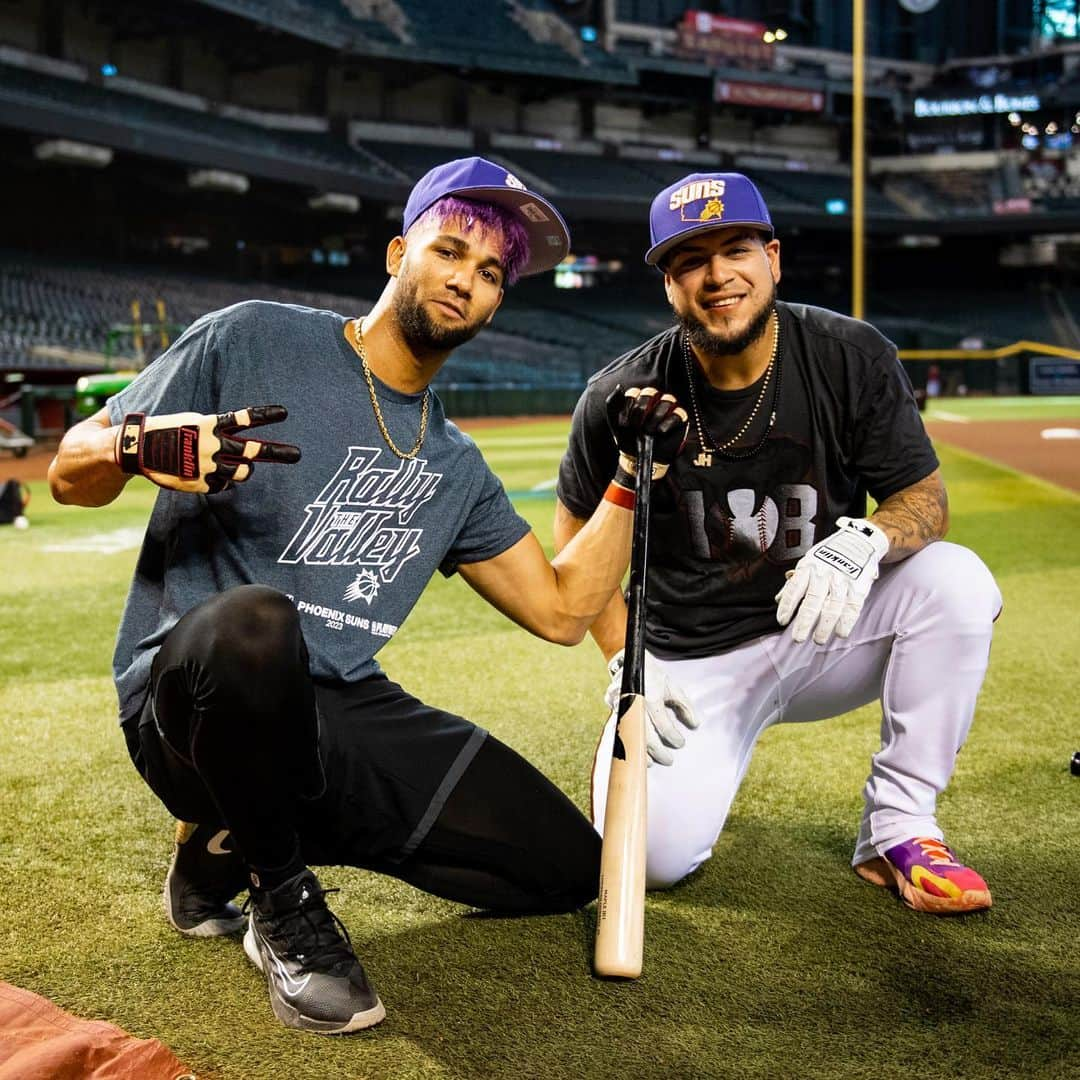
<point x="218" y="180"/>
<point x="335" y="200"/>
<point x="70" y="152"/>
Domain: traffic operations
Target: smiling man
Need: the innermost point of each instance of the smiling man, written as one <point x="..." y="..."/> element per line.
<point x="250" y="697"/>
<point x="797" y="413"/>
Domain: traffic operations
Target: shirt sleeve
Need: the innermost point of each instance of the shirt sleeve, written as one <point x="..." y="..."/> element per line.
<point x="591" y="456"/>
<point x="492" y="526"/>
<point x="182" y="379"/>
<point x="892" y="449"/>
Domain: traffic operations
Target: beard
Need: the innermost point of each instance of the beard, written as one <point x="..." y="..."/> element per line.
<point x="421" y="332"/>
<point x="735" y="341"/>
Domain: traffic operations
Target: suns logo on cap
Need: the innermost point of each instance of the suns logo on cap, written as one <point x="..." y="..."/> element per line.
<point x="698" y="190"/>
<point x="514" y="182"/>
<point x="714" y="208"/>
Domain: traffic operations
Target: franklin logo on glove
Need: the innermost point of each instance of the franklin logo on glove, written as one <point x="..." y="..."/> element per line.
<point x="197" y="453"/>
<point x="830" y="582"/>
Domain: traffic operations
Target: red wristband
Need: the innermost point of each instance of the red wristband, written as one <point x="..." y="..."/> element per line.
<point x="620" y="496"/>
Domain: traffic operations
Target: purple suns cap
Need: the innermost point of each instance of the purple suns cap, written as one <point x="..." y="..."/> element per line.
<point x="700" y="202"/>
<point x="484" y="181"/>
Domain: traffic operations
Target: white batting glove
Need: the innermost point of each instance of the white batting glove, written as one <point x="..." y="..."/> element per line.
<point x="830" y="582"/>
<point x="666" y="707"/>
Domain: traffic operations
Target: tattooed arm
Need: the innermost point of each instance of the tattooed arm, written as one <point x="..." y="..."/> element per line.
<point x="914" y="517"/>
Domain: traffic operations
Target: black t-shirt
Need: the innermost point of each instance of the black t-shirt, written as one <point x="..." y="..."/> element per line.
<point x="723" y="531"/>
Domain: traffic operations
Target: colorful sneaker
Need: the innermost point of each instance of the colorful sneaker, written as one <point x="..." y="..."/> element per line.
<point x="205" y="874"/>
<point x="929" y="877"/>
<point x="315" y="981"/>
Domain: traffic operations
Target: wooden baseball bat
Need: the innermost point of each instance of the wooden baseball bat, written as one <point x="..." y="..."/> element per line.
<point x="620" y="912"/>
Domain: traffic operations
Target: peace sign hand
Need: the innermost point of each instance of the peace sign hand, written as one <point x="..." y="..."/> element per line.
<point x="199" y="453"/>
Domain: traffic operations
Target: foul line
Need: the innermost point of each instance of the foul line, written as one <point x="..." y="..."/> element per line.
<point x="948" y="417"/>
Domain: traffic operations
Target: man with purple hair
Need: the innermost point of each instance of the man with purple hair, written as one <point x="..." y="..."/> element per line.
<point x="250" y="697"/>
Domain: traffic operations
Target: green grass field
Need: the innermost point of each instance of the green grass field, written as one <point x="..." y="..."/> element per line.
<point x="773" y="961"/>
<point x="1005" y="408"/>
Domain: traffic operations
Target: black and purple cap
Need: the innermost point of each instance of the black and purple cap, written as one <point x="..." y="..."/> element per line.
<point x="700" y="202"/>
<point x="484" y="181"/>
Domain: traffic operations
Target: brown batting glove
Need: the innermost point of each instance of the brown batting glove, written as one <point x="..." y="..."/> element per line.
<point x="645" y="411"/>
<point x="198" y="453"/>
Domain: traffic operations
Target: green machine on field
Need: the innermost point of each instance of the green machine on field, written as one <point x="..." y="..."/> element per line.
<point x="92" y="391"/>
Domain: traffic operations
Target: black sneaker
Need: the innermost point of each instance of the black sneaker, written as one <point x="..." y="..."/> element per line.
<point x="316" y="983"/>
<point x="204" y="876"/>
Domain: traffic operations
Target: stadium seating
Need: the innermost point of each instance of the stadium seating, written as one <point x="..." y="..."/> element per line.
<point x="78" y="99"/>
<point x="814" y="190"/>
<point x="411" y="159"/>
<point x="569" y="173"/>
<point x="453" y="27"/>
<point x="951" y="193"/>
<point x="74" y="306"/>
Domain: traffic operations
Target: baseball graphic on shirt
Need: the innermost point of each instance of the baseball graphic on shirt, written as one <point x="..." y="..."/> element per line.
<point x="748" y="528"/>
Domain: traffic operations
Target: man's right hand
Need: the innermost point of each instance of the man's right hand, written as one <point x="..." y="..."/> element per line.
<point x="198" y="453"/>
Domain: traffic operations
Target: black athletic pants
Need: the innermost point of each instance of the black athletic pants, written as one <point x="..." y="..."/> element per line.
<point x="231" y="734"/>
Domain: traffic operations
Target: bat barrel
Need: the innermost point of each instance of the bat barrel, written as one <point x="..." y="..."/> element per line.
<point x="620" y="912"/>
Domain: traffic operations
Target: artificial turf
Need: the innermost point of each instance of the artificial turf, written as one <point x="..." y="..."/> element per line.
<point x="773" y="960"/>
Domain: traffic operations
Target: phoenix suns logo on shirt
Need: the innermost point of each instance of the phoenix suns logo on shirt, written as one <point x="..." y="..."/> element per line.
<point x="361" y="519"/>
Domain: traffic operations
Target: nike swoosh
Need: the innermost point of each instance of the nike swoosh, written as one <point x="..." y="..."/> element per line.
<point x="290" y="987"/>
<point x="216" y="844"/>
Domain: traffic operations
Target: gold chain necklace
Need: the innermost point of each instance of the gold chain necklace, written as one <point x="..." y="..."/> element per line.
<point x="355" y="337"/>
<point x="699" y="423"/>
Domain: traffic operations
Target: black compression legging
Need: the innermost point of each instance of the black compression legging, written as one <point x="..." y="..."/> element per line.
<point x="233" y="737"/>
<point x="234" y="707"/>
<point x="507" y="840"/>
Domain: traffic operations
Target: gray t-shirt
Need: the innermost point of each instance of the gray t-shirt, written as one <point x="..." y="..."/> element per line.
<point x="351" y="533"/>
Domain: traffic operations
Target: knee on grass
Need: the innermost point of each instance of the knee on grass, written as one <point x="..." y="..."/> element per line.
<point x="664" y="869"/>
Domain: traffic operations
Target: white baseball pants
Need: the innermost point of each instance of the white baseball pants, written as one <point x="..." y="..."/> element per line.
<point x="921" y="645"/>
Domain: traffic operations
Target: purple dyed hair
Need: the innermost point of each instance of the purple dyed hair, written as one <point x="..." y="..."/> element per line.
<point x="488" y="217"/>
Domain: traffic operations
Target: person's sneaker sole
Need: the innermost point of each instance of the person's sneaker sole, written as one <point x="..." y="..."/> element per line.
<point x="232" y="922"/>
<point x="879" y="871"/>
<point x="292" y="1017"/>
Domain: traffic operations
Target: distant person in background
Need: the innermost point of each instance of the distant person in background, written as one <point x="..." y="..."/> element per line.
<point x="933" y="381"/>
<point x="250" y="697"/>
<point x="796" y="414"/>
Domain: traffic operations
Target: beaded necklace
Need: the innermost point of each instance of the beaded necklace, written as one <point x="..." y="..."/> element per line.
<point x="712" y="445"/>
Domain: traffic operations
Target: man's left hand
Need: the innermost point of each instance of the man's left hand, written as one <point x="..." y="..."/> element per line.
<point x="667" y="709"/>
<point x="831" y="581"/>
<point x="645" y="411"/>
